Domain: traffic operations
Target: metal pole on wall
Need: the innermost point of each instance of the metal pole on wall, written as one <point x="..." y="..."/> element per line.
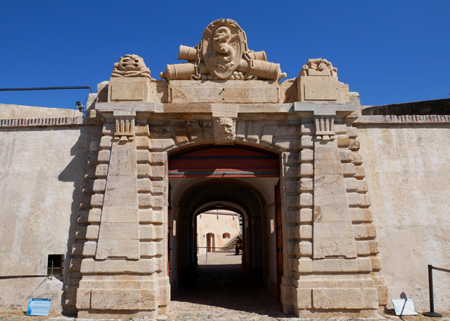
<point x="430" y="286"/>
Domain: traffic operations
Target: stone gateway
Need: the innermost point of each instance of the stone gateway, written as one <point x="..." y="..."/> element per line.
<point x="121" y="187"/>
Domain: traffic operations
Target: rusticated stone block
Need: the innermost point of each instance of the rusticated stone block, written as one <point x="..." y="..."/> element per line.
<point x="303" y="265"/>
<point x="306" y="199"/>
<point x="286" y="143"/>
<point x="150" y="216"/>
<point x="373" y="247"/>
<point x="158" y="171"/>
<point x="94" y="215"/>
<point x="106" y="142"/>
<point x="158" y="202"/>
<point x="371" y="231"/>
<point x="357" y="158"/>
<point x="161" y="144"/>
<point x="305" y="232"/>
<point x="346" y="156"/>
<point x="365" y="200"/>
<point x="348" y="169"/>
<point x="347" y="299"/>
<point x="359" y="215"/>
<point x="306" y="155"/>
<point x="142" y="142"/>
<point x="360" y="231"/>
<point x="306" y="170"/>
<point x="307" y="141"/>
<point x="145" y="200"/>
<point x="151" y="232"/>
<point x="354" y="199"/>
<point x="90" y="266"/>
<point x="164" y="295"/>
<point x="144" y="185"/>
<point x="148" y="249"/>
<point x="382" y="295"/>
<point x="143" y="156"/>
<point x="362" y="186"/>
<point x="158" y="187"/>
<point x="303" y="248"/>
<point x="343" y="141"/>
<point x="363" y="248"/>
<point x="351" y="184"/>
<point x="376" y="263"/>
<point x="97" y="200"/>
<point x="143" y="170"/>
<point x="361" y="264"/>
<point x="304" y="298"/>
<point x="83" y="298"/>
<point x="359" y="172"/>
<point x="148" y="299"/>
<point x="352" y="132"/>
<point x="116" y="299"/>
<point x="306" y="185"/>
<point x="158" y="158"/>
<point x="89" y="248"/>
<point x="103" y="156"/>
<point x="354" y="145"/>
<point x="101" y="170"/>
<point x="306" y="215"/>
<point x="92" y="232"/>
<point x="99" y="185"/>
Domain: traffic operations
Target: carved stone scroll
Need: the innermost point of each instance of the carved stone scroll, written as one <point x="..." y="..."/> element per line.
<point x="222" y="54"/>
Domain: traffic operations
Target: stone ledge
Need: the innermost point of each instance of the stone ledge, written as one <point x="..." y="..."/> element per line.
<point x="44" y="122"/>
<point x="402" y="119"/>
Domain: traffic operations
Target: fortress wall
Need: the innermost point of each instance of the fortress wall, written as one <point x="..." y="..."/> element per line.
<point x="41" y="175"/>
<point x="408" y="172"/>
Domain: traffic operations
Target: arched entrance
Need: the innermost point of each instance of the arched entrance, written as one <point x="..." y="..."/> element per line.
<point x="237" y="178"/>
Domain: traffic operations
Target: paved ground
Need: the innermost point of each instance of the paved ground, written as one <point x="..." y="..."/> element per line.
<point x="219" y="291"/>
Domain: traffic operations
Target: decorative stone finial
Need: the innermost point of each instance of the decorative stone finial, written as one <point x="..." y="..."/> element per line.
<point x="130" y="66"/>
<point x="318" y="67"/>
<point x="223" y="54"/>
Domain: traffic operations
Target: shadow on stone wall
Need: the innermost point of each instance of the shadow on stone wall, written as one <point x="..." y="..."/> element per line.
<point x="77" y="171"/>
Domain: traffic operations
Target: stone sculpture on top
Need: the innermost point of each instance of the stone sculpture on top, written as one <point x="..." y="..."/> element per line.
<point x="130" y="66"/>
<point x="222" y="54"/>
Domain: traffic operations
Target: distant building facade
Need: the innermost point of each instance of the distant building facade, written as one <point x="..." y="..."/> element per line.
<point x="342" y="206"/>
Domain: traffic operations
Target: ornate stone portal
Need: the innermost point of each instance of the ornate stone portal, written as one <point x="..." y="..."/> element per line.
<point x="330" y="265"/>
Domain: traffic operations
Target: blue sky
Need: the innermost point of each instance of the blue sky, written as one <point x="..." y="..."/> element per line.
<point x="388" y="51"/>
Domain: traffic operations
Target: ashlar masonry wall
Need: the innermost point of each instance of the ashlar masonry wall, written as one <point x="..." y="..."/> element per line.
<point x="41" y="172"/>
<point x="407" y="167"/>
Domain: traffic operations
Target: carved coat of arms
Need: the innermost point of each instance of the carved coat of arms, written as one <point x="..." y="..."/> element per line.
<point x="223" y="44"/>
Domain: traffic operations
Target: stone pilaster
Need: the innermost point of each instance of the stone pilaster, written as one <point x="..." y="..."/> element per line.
<point x="334" y="276"/>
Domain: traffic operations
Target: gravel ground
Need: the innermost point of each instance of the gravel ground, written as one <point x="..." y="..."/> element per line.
<point x="219" y="291"/>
